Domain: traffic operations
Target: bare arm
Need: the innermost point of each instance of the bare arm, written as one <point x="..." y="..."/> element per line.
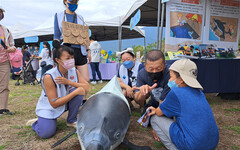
<point x="123" y="85"/>
<point x="51" y="92"/>
<point x="144" y="92"/>
<point x="81" y="82"/>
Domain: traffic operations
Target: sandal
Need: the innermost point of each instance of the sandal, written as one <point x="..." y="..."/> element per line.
<point x="5" y="112"/>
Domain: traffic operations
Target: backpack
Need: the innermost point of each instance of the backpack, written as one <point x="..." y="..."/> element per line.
<point x="16" y="58"/>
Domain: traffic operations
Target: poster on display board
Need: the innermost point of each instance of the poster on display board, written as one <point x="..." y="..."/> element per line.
<point x="184" y="23"/>
<point x="223" y="23"/>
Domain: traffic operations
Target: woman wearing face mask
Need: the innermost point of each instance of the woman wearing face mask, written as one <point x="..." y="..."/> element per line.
<point x="128" y="72"/>
<point x="80" y="53"/>
<point x="63" y="89"/>
<point x="6" y="37"/>
<point x="195" y="127"/>
<point x="46" y="55"/>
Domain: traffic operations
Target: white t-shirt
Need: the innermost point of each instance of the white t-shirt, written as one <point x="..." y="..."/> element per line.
<point x="95" y="48"/>
<point x="45" y="56"/>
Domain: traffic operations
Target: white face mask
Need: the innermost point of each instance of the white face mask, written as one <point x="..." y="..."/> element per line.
<point x="68" y="64"/>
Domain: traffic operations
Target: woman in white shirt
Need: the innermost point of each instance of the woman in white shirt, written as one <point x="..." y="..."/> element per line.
<point x="46" y="55"/>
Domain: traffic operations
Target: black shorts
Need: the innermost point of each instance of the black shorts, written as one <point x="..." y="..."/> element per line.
<point x="78" y="57"/>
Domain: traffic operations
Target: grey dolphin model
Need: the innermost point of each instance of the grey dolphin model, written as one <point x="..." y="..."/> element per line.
<point x="220" y="26"/>
<point x="103" y="120"/>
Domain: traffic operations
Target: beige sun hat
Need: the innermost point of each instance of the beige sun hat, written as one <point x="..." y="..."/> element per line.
<point x="118" y="54"/>
<point x="188" y="72"/>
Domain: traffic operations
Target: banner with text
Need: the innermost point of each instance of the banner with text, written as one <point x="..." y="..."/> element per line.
<point x="184" y="23"/>
<point x="222" y="23"/>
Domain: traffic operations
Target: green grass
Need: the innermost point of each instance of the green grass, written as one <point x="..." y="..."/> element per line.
<point x="2" y="147"/>
<point x="61" y="125"/>
<point x="233" y="109"/>
<point x="145" y="129"/>
<point x="234" y="128"/>
<point x="136" y="114"/>
<point x="235" y="147"/>
<point x="158" y="145"/>
<point x="228" y="114"/>
<point x="26" y="131"/>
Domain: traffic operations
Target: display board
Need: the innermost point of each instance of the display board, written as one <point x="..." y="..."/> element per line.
<point x="222" y="23"/>
<point x="184" y="23"/>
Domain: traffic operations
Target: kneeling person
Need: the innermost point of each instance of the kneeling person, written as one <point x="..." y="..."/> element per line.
<point x="195" y="127"/>
<point x="63" y="89"/>
<point x="128" y="73"/>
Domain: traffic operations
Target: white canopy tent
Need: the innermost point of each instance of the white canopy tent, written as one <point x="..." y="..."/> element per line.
<point x="108" y="28"/>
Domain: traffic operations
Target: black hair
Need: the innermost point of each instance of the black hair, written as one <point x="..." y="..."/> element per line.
<point x="129" y="54"/>
<point x="2" y="13"/>
<point x="154" y="55"/>
<point x="59" y="49"/>
<point x="66" y="0"/>
<point x="26" y="59"/>
<point x="48" y="47"/>
<point x="176" y="73"/>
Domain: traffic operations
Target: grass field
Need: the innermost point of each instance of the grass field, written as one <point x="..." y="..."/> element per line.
<point x="15" y="135"/>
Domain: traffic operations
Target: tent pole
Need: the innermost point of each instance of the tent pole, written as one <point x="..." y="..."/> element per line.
<point x="158" y="23"/>
<point x="161" y="29"/>
<point x="120" y="38"/>
<point x="144" y="46"/>
<point x="120" y="42"/>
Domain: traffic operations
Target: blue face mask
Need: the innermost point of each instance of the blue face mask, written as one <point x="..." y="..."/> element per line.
<point x="72" y="7"/>
<point x="172" y="84"/>
<point x="128" y="64"/>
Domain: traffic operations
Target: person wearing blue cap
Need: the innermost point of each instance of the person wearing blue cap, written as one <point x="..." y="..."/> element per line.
<point x="81" y="55"/>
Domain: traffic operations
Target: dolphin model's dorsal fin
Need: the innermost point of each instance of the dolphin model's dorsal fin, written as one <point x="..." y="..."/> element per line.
<point x="113" y="87"/>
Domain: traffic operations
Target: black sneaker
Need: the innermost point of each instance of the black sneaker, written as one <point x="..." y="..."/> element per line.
<point x="5" y="112"/>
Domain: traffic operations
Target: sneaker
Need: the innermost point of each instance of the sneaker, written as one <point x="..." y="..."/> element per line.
<point x="72" y="124"/>
<point x="100" y="81"/>
<point x="94" y="82"/>
<point x="5" y="112"/>
<point x="31" y="121"/>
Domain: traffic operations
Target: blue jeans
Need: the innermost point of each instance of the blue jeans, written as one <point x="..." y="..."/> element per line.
<point x="46" y="68"/>
<point x="95" y="68"/>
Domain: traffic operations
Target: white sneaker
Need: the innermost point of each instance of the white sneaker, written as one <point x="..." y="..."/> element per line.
<point x="74" y="125"/>
<point x="31" y="121"/>
<point x="94" y="82"/>
<point x="100" y="81"/>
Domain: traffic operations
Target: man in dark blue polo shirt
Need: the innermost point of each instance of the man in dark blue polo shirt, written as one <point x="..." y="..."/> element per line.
<point x="152" y="80"/>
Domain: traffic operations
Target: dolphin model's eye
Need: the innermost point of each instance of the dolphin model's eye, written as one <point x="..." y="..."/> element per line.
<point x="117" y="135"/>
<point x="80" y="128"/>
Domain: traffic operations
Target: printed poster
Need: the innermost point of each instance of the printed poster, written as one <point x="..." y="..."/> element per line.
<point x="184" y="23"/>
<point x="222" y="23"/>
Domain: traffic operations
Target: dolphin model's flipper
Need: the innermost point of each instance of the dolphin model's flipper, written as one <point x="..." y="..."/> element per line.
<point x="135" y="147"/>
<point x="64" y="138"/>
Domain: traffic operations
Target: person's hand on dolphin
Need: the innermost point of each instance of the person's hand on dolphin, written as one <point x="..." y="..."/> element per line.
<point x="145" y="89"/>
<point x="129" y="91"/>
